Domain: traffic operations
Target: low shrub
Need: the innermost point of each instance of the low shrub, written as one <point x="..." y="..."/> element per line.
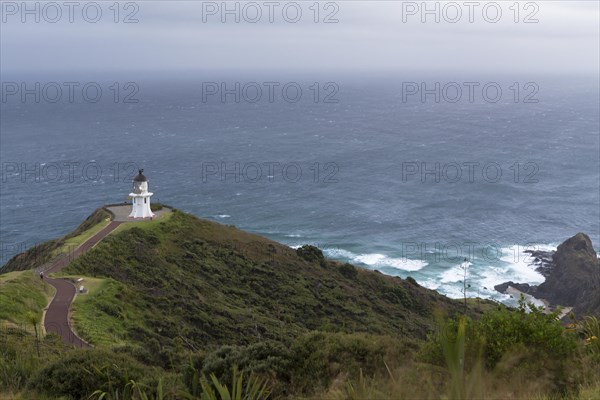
<point x="310" y="253"/>
<point x="78" y="374"/>
<point x="319" y="358"/>
<point x="521" y="342"/>
<point x="270" y="360"/>
<point x="348" y="270"/>
<point x="412" y="281"/>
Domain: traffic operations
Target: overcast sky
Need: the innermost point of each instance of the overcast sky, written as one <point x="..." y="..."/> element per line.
<point x="369" y="36"/>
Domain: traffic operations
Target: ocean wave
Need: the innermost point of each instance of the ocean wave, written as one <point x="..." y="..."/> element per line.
<point x="520" y="264"/>
<point x="516" y="266"/>
<point x="455" y="274"/>
<point x="432" y="284"/>
<point x="512" y="264"/>
<point x="377" y="260"/>
<point x="380" y="260"/>
<point x="338" y="253"/>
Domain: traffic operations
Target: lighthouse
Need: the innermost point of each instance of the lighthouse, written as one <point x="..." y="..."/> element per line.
<point x="140" y="206"/>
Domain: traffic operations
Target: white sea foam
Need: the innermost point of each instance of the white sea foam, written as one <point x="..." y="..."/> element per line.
<point x="223" y="216"/>
<point x="432" y="284"/>
<point x="376" y="260"/>
<point x="381" y="261"/>
<point x="339" y="253"/>
<point x="492" y="276"/>
<point x="370" y="259"/>
<point x="455" y="274"/>
<point x="520" y="267"/>
<point x="517" y="266"/>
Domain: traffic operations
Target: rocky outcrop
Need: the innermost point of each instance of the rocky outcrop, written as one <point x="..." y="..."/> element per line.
<point x="574" y="279"/>
<point x="572" y="276"/>
<point x="522" y="287"/>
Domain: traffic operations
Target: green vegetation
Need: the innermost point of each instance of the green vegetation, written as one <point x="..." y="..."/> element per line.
<point x="19" y="359"/>
<point x="97" y="318"/>
<point x="22" y="293"/>
<point x="589" y="331"/>
<point x="80" y="373"/>
<point x="71" y="242"/>
<point x="35" y="257"/>
<point x="537" y="340"/>
<point x="253" y="388"/>
<point x="142" y="224"/>
<point x="180" y="282"/>
<point x="156" y="206"/>
<point x="182" y="308"/>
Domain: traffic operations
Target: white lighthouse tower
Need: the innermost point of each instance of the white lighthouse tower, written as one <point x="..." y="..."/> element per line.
<point x="140" y="206"/>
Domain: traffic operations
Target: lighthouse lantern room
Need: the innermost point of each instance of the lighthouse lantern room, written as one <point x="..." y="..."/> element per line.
<point x="140" y="206"/>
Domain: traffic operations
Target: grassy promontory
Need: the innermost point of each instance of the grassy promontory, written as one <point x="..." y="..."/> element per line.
<point x="191" y="282"/>
<point x="173" y="300"/>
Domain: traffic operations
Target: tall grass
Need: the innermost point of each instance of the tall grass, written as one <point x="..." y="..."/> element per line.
<point x="253" y="388"/>
<point x="241" y="388"/>
<point x="589" y="327"/>
<point x="462" y="386"/>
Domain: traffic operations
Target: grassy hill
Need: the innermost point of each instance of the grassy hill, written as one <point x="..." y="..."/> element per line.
<point x="191" y="282"/>
<point x="22" y="292"/>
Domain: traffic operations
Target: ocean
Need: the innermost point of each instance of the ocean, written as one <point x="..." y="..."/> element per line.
<point x="387" y="172"/>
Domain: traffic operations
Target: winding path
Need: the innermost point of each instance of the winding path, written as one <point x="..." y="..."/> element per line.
<point x="56" y="319"/>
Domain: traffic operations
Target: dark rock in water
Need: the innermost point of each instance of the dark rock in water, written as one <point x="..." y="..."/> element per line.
<point x="543" y="261"/>
<point x="572" y="276"/>
<point x="523" y="287"/>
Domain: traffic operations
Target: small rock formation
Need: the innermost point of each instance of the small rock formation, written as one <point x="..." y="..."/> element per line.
<point x="522" y="287"/>
<point x="572" y="276"/>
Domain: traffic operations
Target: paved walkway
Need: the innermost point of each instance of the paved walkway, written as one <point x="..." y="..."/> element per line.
<point x="56" y="319"/>
<point x="121" y="213"/>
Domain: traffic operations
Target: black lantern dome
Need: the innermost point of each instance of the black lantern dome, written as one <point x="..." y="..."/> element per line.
<point x="140" y="177"/>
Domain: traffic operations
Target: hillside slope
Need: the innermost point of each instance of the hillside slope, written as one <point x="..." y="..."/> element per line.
<point x="196" y="283"/>
<point x="47" y="251"/>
